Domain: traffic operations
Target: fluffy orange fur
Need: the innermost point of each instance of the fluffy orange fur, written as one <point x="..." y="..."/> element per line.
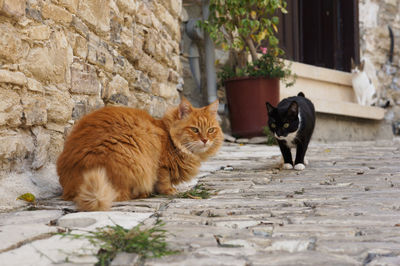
<point x="121" y="153"/>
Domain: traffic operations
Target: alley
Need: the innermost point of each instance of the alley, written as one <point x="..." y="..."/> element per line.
<point x="343" y="209"/>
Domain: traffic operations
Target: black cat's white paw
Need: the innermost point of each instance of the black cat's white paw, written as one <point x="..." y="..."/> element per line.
<point x="299" y="167"/>
<point x="287" y="166"/>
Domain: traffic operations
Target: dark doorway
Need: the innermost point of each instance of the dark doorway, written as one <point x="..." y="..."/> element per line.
<point x="321" y="32"/>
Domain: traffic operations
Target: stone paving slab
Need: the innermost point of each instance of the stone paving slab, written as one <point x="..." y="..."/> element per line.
<point x="343" y="209"/>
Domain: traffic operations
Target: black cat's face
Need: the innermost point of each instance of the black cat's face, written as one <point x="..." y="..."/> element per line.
<point x="283" y="121"/>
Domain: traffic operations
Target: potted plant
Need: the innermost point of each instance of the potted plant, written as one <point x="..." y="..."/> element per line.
<point x="240" y="27"/>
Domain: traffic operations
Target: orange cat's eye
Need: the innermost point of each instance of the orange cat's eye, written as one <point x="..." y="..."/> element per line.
<point x="286" y="125"/>
<point x="211" y="130"/>
<point x="195" y="129"/>
<point x="273" y="125"/>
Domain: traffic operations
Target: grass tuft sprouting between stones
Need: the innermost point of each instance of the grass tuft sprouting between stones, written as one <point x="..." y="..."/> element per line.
<point x="197" y="192"/>
<point x="147" y="243"/>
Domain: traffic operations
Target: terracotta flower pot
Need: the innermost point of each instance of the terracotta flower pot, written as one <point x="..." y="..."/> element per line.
<point x="246" y="102"/>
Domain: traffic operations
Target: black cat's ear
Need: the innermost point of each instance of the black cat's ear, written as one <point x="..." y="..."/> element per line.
<point x="184" y="109"/>
<point x="270" y="108"/>
<point x="293" y="109"/>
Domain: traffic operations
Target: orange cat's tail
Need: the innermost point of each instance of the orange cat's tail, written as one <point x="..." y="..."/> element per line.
<point x="96" y="192"/>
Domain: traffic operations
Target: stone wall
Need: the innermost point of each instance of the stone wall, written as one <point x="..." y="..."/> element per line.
<point x="375" y="17"/>
<point x="60" y="59"/>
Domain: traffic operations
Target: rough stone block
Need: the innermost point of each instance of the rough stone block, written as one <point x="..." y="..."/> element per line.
<point x="85" y="105"/>
<point x="13" y="8"/>
<point x="33" y="13"/>
<point x="164" y="51"/>
<point x="128" y="6"/>
<point x="154" y="105"/>
<point x="14" y="147"/>
<point x="34" y="112"/>
<point x="134" y="53"/>
<point x="118" y="99"/>
<point x="152" y="67"/>
<point x="165" y="90"/>
<point x="51" y="63"/>
<point x="143" y="14"/>
<point x="96" y="13"/>
<point x="157" y="107"/>
<point x="40" y="65"/>
<point x="11" y="46"/>
<point x="84" y="80"/>
<point x="55" y="127"/>
<point x="59" y="106"/>
<point x="80" y="48"/>
<point x="123" y="67"/>
<point x="80" y="109"/>
<point x="56" y="13"/>
<point x="39" y="33"/>
<point x="79" y="26"/>
<point x="42" y="143"/>
<point x="16" y="78"/>
<point x="56" y="145"/>
<point x="100" y="56"/>
<point x="92" y="54"/>
<point x="94" y="39"/>
<point x="127" y="38"/>
<point x="70" y="5"/>
<point x="142" y="81"/>
<point x="174" y="76"/>
<point x="115" y="30"/>
<point x="34" y="85"/>
<point x="175" y="63"/>
<point x="118" y="85"/>
<point x="10" y="108"/>
<point x="173" y="6"/>
<point x="150" y="44"/>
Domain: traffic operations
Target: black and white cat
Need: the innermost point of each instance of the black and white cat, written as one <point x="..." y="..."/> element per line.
<point x="292" y="122"/>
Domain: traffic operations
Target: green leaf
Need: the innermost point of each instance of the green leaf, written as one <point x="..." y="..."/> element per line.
<point x="28" y="197"/>
<point x="275" y="20"/>
<point x="273" y="41"/>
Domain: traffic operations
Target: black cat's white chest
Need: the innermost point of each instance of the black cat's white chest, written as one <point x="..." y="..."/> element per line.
<point x="290" y="139"/>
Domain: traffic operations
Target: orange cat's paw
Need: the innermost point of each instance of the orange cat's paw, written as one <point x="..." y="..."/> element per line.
<point x="143" y="195"/>
<point x="167" y="191"/>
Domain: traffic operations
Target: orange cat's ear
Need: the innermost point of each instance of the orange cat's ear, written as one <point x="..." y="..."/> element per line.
<point x="184" y="109"/>
<point x="213" y="107"/>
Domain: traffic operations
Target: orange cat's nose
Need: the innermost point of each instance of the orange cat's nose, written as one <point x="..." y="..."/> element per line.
<point x="204" y="140"/>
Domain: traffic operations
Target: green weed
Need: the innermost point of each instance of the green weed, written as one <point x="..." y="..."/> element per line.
<point x="197" y="192"/>
<point x="271" y="139"/>
<point x="147" y="243"/>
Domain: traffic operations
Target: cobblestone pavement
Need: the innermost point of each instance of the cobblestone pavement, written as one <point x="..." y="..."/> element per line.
<point x="343" y="209"/>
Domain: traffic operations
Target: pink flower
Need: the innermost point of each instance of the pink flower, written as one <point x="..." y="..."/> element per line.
<point x="264" y="50"/>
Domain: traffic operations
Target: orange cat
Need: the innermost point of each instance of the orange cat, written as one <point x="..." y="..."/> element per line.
<point x="121" y="153"/>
